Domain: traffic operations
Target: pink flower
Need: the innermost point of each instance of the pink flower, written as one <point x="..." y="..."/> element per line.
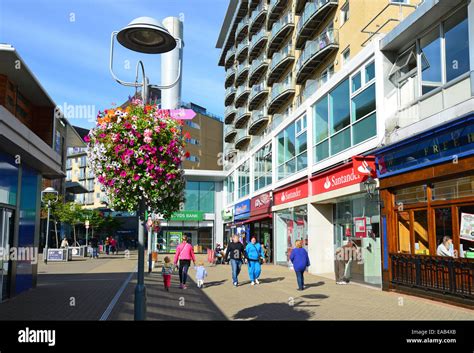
<point x="127" y="125"/>
<point x="101" y="179"/>
<point x="140" y="161"/>
<point x="123" y="173"/>
<point x="87" y="138"/>
<point x="136" y="177"/>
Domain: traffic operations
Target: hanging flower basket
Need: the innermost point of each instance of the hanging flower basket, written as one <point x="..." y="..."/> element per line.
<point x="136" y="154"/>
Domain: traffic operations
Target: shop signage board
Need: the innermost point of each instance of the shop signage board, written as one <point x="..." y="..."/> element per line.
<point x="188" y="216"/>
<point x="292" y="193"/>
<point x="361" y="226"/>
<point x="455" y="140"/>
<point x="242" y="210"/>
<point x="228" y="214"/>
<point x="467" y="226"/>
<point x="261" y="204"/>
<point x="354" y="172"/>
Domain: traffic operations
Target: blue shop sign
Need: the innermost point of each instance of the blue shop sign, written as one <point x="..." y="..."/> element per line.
<point x="443" y="144"/>
<point x="242" y="210"/>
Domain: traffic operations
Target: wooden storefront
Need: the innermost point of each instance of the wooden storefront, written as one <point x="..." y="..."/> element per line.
<point x="420" y="207"/>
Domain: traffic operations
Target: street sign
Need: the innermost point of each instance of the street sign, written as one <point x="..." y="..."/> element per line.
<point x="182" y="114"/>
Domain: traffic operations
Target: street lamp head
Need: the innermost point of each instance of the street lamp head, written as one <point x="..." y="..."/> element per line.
<point x="51" y="191"/>
<point x="146" y="35"/>
<point x="370" y="186"/>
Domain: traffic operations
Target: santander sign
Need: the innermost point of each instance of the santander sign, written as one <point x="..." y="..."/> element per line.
<point x="295" y="192"/>
<point x="351" y="173"/>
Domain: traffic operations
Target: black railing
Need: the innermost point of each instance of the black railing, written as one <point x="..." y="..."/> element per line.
<point x="446" y="275"/>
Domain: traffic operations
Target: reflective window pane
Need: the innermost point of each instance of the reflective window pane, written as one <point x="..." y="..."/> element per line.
<point x="340" y="112"/>
<point x="364" y="129"/>
<point x="404" y="233"/>
<point x="321" y="119"/>
<point x="431" y="60"/>
<point x="369" y="72"/>
<point x="457" y="45"/>
<point x="420" y="230"/>
<point x="322" y="151"/>
<point x="341" y="141"/>
<point x="363" y="103"/>
<point x="356" y="82"/>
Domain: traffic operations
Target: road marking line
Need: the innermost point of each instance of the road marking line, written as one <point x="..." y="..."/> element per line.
<point x="115" y="299"/>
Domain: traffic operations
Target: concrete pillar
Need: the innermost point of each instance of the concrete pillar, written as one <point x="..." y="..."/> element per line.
<point x="171" y="97"/>
<point x="321" y="238"/>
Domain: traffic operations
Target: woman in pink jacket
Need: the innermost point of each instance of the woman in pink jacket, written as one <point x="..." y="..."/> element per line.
<point x="184" y="253"/>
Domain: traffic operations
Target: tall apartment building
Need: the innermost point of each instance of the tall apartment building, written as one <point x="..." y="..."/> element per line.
<point x="301" y="117"/>
<point x="277" y="53"/>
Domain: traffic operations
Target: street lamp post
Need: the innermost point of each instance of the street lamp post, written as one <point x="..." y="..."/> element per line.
<point x="143" y="35"/>
<point x="51" y="191"/>
<point x="150" y="229"/>
<point x="86" y="224"/>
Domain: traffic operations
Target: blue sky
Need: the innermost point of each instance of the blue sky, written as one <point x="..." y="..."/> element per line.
<point x="66" y="45"/>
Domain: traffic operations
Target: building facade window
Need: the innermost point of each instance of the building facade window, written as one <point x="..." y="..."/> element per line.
<point x="193" y="124"/>
<point x="345" y="56"/>
<point x="193" y="159"/>
<point x="229" y="182"/>
<point x="345" y="13"/>
<point x="292" y="148"/>
<point x="346" y="115"/>
<point x="192" y="141"/>
<point x="244" y="179"/>
<point x="439" y="56"/>
<point x="263" y="167"/>
<point x="199" y="196"/>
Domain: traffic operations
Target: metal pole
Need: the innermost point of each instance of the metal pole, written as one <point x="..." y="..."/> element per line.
<point x="45" y="256"/>
<point x="149" y="250"/>
<point x="171" y="64"/>
<point x="87" y="246"/>
<point x="140" y="289"/>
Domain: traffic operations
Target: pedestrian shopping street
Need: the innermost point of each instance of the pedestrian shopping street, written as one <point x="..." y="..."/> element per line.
<point x="98" y="290"/>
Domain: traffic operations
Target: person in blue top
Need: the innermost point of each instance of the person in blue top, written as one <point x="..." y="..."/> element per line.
<point x="300" y="260"/>
<point x="254" y="253"/>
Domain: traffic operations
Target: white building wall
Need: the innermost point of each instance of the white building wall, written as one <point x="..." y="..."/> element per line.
<point x="321" y="239"/>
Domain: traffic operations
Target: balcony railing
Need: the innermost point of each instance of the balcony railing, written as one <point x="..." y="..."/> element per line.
<point x="444" y="275"/>
<point x="310" y="87"/>
<point x="256" y="89"/>
<point x="313" y="51"/>
<point x="282" y="54"/>
<point x="230" y="53"/>
<point x="229" y="129"/>
<point x="257" y="13"/>
<point x="242" y="24"/>
<point x="257" y="64"/>
<point x="275" y="9"/>
<point x="310" y="17"/>
<point x="229" y="91"/>
<point x="258" y="39"/>
<point x="242" y="47"/>
<point x="242" y="134"/>
<point x="280" y="87"/>
<point x="278" y="26"/>
<point x="244" y="65"/>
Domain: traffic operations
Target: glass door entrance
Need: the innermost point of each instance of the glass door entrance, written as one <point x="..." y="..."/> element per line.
<point x="6" y="238"/>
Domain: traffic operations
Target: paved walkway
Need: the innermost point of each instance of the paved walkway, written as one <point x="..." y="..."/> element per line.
<point x="98" y="289"/>
<point x="276" y="298"/>
<point x="78" y="290"/>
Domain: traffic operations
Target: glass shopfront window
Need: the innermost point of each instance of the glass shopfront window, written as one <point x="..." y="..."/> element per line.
<point x="291" y="225"/>
<point x="229" y="182"/>
<point x="199" y="196"/>
<point x="345" y="116"/>
<point x="292" y="148"/>
<point x="263" y="167"/>
<point x="244" y="179"/>
<point x="8" y="180"/>
<point x="356" y="218"/>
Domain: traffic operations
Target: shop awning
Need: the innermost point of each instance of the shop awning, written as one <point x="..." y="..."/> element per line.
<point x="258" y="218"/>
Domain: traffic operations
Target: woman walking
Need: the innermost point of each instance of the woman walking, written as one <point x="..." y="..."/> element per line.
<point x="255" y="254"/>
<point x="300" y="260"/>
<point x="184" y="253"/>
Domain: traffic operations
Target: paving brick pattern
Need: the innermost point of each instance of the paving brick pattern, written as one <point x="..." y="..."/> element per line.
<point x="92" y="284"/>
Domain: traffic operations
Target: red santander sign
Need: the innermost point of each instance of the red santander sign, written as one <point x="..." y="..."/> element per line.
<point x="295" y="192"/>
<point x="354" y="172"/>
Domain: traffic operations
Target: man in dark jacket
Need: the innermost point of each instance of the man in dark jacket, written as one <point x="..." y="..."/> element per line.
<point x="235" y="253"/>
<point x="95" y="247"/>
